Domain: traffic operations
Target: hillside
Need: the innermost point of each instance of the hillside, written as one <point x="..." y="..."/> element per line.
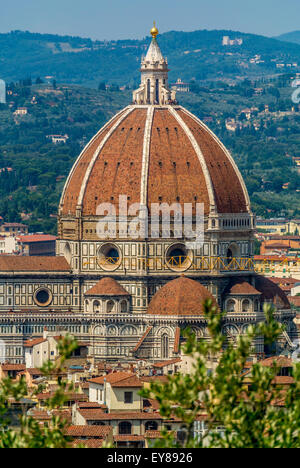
<point x="293" y="36"/>
<point x="33" y="169"/>
<point x="199" y="55"/>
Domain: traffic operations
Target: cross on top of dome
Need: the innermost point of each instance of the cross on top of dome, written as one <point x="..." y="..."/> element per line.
<point x="154" y="88"/>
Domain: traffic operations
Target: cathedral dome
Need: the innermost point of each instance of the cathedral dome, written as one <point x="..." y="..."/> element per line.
<point x="155" y="154"/>
<point x="182" y="296"/>
<point x="155" y="151"/>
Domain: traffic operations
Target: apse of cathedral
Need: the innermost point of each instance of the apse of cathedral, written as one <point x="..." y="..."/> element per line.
<point x="128" y="297"/>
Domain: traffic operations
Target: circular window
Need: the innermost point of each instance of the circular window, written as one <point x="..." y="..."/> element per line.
<point x="43" y="297"/>
<point x="178" y="258"/>
<point x="109" y="257"/>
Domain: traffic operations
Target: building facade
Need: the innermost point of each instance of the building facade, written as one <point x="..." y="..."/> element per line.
<point x="127" y="287"/>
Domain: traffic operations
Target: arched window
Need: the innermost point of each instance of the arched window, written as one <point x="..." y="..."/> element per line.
<point x="151" y="426"/>
<point x="230" y="305"/>
<point x="67" y="252"/>
<point x="157" y="91"/>
<point x="148" y="90"/>
<point x="124" y="307"/>
<point x="256" y="305"/>
<point x="110" y="306"/>
<point x="96" y="306"/>
<point x="125" y="427"/>
<point x="165" y="346"/>
<point x="246" y="305"/>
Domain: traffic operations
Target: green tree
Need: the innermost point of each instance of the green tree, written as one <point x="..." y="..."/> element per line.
<point x="248" y="415"/>
<point x="31" y="433"/>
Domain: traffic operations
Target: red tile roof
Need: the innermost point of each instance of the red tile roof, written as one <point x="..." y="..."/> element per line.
<point x="89" y="431"/>
<point x="130" y="382"/>
<point x="69" y="396"/>
<point x="107" y="287"/>
<point x="33" y="371"/>
<point x="182" y="296"/>
<point x="129" y="438"/>
<point x="90" y="405"/>
<point x="157" y="434"/>
<point x="166" y="363"/>
<point x="43" y="264"/>
<point x="280" y="361"/>
<point x="34" y="342"/>
<point x="244" y="288"/>
<point x="37" y="238"/>
<point x="98" y="415"/>
<point x="112" y="378"/>
<point x="13" y="367"/>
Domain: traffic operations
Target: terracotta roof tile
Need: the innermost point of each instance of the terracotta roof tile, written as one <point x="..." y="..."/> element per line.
<point x="89" y="431"/>
<point x="107" y="287"/>
<point x="129" y="438"/>
<point x="228" y="190"/>
<point x="271" y="292"/>
<point x="34" y="342"/>
<point x="37" y="238"/>
<point x="112" y="378"/>
<point x="24" y="263"/>
<point x="162" y="364"/>
<point x="175" y="172"/>
<point x="240" y="286"/>
<point x="98" y="415"/>
<point x="13" y="367"/>
<point x="70" y="198"/>
<point x="113" y="174"/>
<point x="129" y="382"/>
<point x="181" y="296"/>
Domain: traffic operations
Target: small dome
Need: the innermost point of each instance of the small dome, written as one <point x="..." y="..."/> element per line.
<point x="107" y="287"/>
<point x="271" y="292"/>
<point x="241" y="286"/>
<point x="181" y="296"/>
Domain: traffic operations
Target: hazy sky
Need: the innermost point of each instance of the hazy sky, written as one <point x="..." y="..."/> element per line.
<point x="119" y="19"/>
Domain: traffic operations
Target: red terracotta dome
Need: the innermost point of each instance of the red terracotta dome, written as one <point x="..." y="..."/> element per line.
<point x="155" y="154"/>
<point x="271" y="292"/>
<point x="107" y="287"/>
<point x="181" y="296"/>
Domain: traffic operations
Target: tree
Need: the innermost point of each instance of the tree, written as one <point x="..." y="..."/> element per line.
<point x="31" y="434"/>
<point x="250" y="416"/>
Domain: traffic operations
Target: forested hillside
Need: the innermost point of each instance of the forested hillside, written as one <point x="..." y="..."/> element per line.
<point x="199" y="55"/>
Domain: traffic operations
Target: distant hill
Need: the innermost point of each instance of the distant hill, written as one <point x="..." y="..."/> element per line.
<point x="293" y="36"/>
<point x="198" y="54"/>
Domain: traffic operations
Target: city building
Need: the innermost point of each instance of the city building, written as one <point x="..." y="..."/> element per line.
<point x="21" y="111"/>
<point x="12" y="229"/>
<point x="37" y="244"/>
<point x="2" y="92"/>
<point x="226" y="41"/>
<point x="126" y="289"/>
<point x="58" y="138"/>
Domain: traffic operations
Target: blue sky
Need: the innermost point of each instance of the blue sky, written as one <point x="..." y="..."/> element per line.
<point x="120" y="19"/>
